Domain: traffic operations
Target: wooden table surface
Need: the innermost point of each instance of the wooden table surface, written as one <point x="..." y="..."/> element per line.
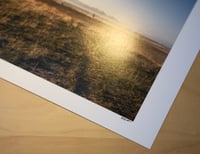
<point x="32" y="125"/>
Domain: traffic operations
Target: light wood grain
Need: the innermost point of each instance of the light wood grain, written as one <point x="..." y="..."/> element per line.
<point x="30" y="124"/>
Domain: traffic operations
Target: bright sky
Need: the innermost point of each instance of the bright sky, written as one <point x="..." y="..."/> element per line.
<point x="160" y="20"/>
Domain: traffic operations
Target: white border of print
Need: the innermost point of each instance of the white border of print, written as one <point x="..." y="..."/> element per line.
<point x="151" y="115"/>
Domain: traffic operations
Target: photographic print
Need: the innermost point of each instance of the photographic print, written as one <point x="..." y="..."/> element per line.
<point x="117" y="63"/>
<point x="106" y="51"/>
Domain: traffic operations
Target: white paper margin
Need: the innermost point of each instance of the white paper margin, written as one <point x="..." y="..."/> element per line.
<point x="151" y="115"/>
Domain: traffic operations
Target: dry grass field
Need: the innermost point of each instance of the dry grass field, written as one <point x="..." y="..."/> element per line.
<point x="106" y="64"/>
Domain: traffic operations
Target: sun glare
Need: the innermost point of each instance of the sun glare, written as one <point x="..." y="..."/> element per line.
<point x="117" y="44"/>
<point x="111" y="47"/>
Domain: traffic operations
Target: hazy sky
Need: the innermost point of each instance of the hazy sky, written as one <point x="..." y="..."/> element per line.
<point x="160" y="20"/>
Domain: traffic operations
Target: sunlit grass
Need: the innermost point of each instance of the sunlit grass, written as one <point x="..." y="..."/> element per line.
<point x="110" y="48"/>
<point x="117" y="44"/>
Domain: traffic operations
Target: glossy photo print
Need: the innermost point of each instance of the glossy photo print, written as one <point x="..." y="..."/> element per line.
<point x="106" y="51"/>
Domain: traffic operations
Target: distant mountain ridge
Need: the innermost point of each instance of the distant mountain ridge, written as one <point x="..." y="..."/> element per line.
<point x="93" y="9"/>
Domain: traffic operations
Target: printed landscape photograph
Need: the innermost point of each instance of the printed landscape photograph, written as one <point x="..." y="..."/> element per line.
<point x="106" y="51"/>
